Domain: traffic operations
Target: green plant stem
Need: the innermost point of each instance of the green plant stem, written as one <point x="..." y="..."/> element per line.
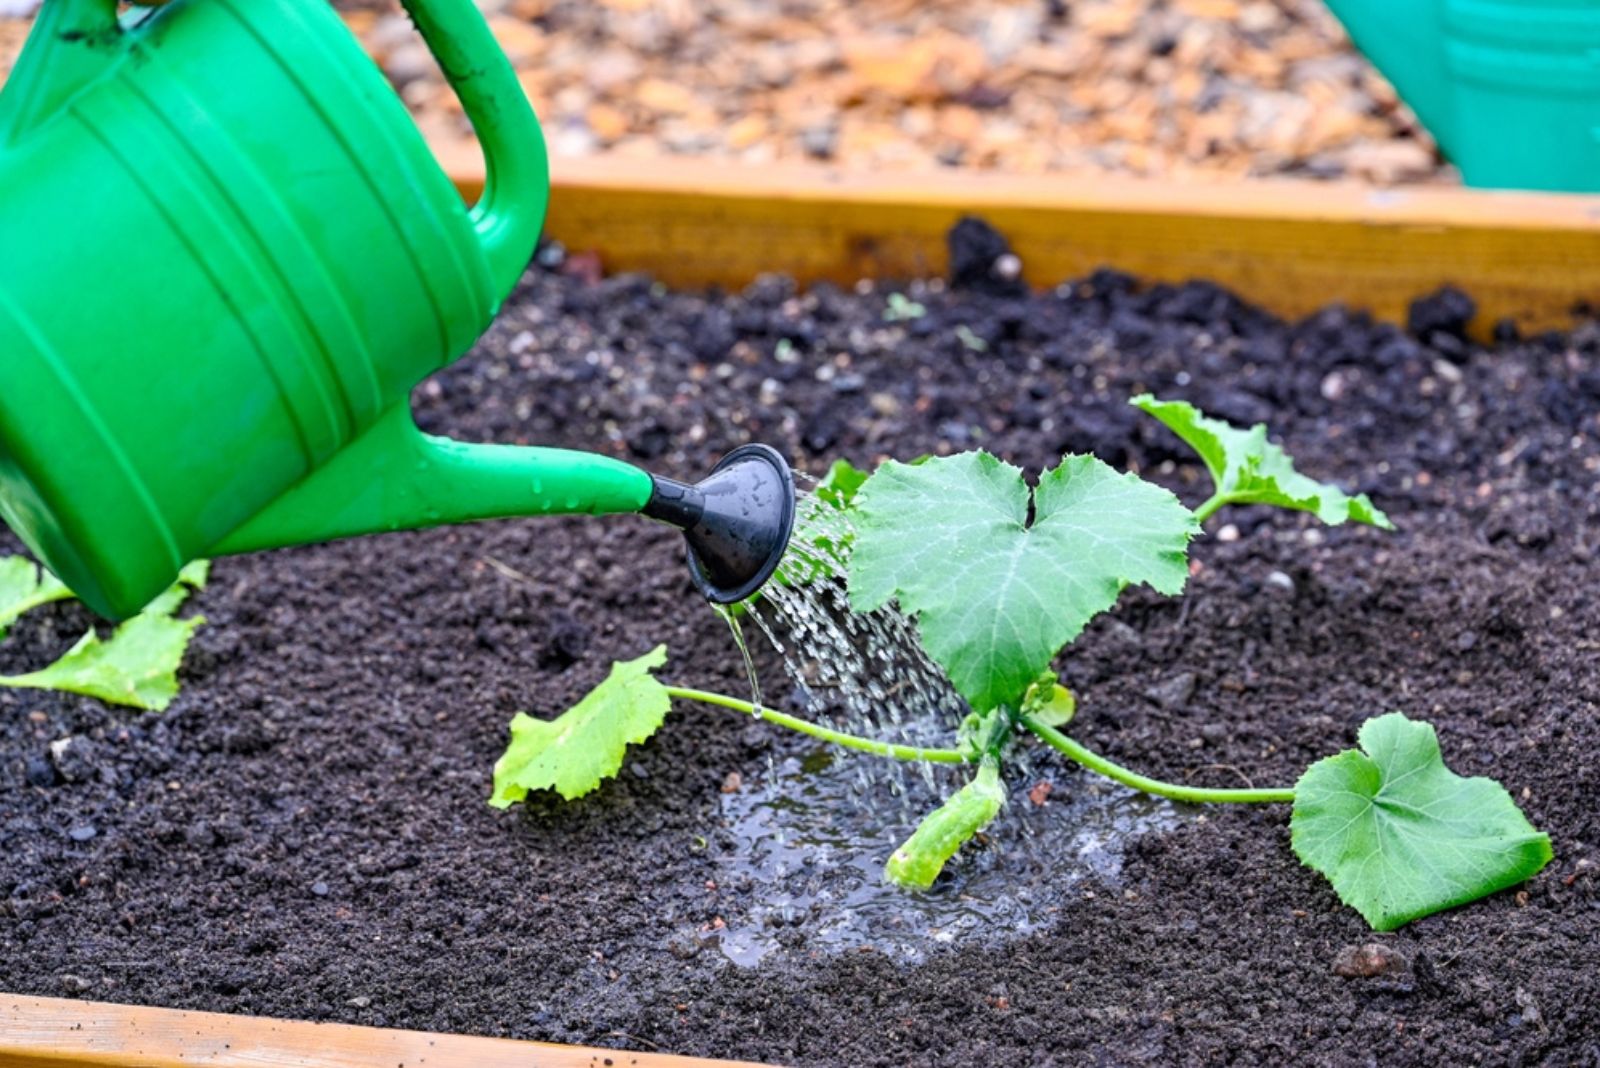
<point x="1193" y="794"/>
<point x="1005" y="723"/>
<point x="1209" y="508"/>
<point x="826" y="734"/>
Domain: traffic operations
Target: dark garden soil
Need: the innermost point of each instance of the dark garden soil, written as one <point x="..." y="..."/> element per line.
<point x="304" y="833"/>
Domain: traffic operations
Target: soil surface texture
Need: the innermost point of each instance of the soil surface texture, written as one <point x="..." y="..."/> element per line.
<point x="304" y="832"/>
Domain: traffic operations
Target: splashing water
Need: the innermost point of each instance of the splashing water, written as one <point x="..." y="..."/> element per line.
<point x="810" y="838"/>
<point x="867" y="670"/>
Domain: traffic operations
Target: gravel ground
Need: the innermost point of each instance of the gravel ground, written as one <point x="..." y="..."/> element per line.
<point x="1169" y="88"/>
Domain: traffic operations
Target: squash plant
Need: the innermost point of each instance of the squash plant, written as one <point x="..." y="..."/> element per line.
<point x="1000" y="579"/>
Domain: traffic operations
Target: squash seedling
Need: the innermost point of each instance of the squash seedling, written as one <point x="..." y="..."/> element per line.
<point x="999" y="579"/>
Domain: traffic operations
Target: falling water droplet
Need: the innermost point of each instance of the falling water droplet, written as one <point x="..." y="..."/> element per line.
<point x="732" y="619"/>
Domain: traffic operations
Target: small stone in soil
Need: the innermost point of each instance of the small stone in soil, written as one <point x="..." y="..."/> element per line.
<point x="1280" y="581"/>
<point x="359" y="1002"/>
<point x="1368" y="961"/>
<point x="74" y="984"/>
<point x="1040" y="792"/>
<point x="1174" y="692"/>
<point x="733" y="783"/>
<point x="1530" y="1009"/>
<point x="74" y="759"/>
<point x="83" y="832"/>
<point x="320" y="889"/>
<point x="551" y="255"/>
<point x="39" y="771"/>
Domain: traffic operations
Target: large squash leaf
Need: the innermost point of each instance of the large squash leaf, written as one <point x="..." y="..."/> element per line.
<point x="1400" y="835"/>
<point x="995" y="596"/>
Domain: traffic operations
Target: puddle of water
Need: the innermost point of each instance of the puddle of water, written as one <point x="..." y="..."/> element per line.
<point x="809" y="841"/>
<point x="806" y="842"/>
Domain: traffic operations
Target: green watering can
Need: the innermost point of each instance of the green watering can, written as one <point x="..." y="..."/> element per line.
<point x="227" y="256"/>
<point x="1509" y="88"/>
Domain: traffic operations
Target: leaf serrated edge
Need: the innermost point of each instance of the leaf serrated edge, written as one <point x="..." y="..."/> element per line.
<point x="502" y="793"/>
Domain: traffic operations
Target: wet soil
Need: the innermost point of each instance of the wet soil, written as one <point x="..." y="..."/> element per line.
<point x="304" y="832"/>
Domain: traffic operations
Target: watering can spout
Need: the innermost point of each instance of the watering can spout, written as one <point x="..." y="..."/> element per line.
<point x="737" y="521"/>
<point x="395" y="477"/>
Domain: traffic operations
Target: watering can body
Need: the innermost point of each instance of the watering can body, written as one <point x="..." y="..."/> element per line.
<point x="226" y="258"/>
<point x="1509" y="88"/>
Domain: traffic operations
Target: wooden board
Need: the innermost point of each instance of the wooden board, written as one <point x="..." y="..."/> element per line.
<point x="57" y="1033"/>
<point x="1291" y="246"/>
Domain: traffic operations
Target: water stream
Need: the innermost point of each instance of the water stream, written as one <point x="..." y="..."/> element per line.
<point x="731" y="617"/>
<point x="806" y="841"/>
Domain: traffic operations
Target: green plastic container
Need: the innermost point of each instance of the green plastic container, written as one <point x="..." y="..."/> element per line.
<point x="1509" y="88"/>
<point x="226" y="257"/>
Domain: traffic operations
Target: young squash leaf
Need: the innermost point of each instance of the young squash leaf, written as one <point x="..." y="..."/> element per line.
<point x="839" y="486"/>
<point x="975" y="731"/>
<point x="138" y="665"/>
<point x="1401" y="836"/>
<point x="1248" y="469"/>
<point x="585" y="744"/>
<point x="1049" y="702"/>
<point x="25" y="586"/>
<point x="996" y="597"/>
<point x="944" y="830"/>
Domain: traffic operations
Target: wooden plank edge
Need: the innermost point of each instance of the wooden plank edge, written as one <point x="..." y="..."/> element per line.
<point x="58" y="1033"/>
<point x="1290" y="246"/>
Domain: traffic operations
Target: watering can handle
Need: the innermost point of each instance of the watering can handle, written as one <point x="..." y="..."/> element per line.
<point x="511" y="211"/>
<point x="508" y="215"/>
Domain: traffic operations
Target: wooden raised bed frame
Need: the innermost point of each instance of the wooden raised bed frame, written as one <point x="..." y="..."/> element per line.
<point x="54" y="1033"/>
<point x="1291" y="247"/>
